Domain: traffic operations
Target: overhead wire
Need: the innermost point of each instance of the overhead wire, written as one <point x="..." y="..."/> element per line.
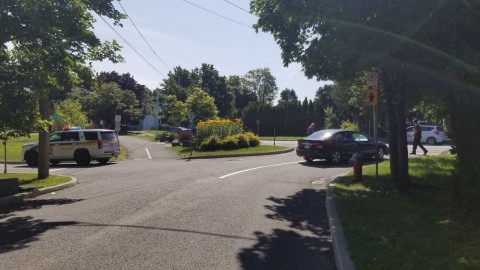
<point x="130" y="45"/>
<point x="217" y="14"/>
<point x="235" y="5"/>
<point x="144" y="39"/>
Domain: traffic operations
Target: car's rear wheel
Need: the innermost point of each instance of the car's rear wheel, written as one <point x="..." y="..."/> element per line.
<point x="431" y="141"/>
<point x="103" y="160"/>
<point x="308" y="160"/>
<point x="31" y="157"/>
<point x="335" y="158"/>
<point x="82" y="157"/>
<point x="54" y="161"/>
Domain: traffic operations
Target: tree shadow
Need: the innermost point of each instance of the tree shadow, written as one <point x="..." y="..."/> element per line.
<point x="306" y="246"/>
<point x="17" y="232"/>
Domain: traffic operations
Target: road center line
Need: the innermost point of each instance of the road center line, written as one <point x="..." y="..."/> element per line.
<point x="148" y="153"/>
<point x="261" y="167"/>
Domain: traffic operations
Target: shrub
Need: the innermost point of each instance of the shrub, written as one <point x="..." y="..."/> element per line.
<point x="230" y="143"/>
<point x="211" y="143"/>
<point x="347" y="125"/>
<point x="218" y="127"/>
<point x="242" y="141"/>
<point x="253" y="140"/>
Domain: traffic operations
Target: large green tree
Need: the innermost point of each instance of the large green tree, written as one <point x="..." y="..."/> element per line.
<point x="105" y="100"/>
<point x="263" y="84"/>
<point x="413" y="44"/>
<point x="51" y="41"/>
<point x="201" y="105"/>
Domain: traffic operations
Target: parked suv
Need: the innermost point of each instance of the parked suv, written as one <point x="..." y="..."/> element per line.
<point x="82" y="146"/>
<point x="431" y="134"/>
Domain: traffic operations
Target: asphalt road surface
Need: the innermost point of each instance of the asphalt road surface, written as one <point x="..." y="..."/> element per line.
<point x="156" y="211"/>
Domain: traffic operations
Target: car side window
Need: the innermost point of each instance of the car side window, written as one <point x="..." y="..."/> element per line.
<point x="426" y="128"/>
<point x="410" y="129"/>
<point x="54" y="137"/>
<point x="90" y="135"/>
<point x="69" y="136"/>
<point x="359" y="137"/>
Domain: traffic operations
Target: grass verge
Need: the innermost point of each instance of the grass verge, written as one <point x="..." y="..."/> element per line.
<point x="421" y="230"/>
<point x="14" y="147"/>
<point x="185" y="151"/>
<point x="30" y="180"/>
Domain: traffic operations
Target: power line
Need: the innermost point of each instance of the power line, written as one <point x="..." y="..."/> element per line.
<point x="135" y="50"/>
<point x="239" y="7"/>
<point x="220" y="15"/>
<point x="142" y="35"/>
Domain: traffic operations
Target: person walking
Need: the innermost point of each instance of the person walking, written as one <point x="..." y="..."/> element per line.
<point x="417" y="136"/>
<point x="311" y="129"/>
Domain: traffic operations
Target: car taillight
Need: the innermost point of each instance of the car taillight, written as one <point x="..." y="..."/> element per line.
<point x="437" y="132"/>
<point x="100" y="144"/>
<point x="300" y="143"/>
<point x="118" y="143"/>
<point x="318" y="145"/>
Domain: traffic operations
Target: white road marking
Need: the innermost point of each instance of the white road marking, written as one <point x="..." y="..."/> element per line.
<point x="261" y="167"/>
<point x="148" y="153"/>
<point x="53" y="170"/>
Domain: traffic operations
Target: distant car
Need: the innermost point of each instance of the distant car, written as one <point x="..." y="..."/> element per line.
<point x="338" y="145"/>
<point x="176" y="133"/>
<point x="76" y="144"/>
<point x="431" y="134"/>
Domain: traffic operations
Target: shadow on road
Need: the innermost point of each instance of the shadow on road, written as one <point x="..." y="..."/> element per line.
<point x="17" y="232"/>
<point x="288" y="249"/>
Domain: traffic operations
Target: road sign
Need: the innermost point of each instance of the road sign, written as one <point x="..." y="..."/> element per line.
<point x="371" y="96"/>
<point x="372" y="79"/>
<point x="55" y="117"/>
<point x="118" y="118"/>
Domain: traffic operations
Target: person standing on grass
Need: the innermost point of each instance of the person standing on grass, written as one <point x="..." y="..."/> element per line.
<point x="311" y="129"/>
<point x="417" y="136"/>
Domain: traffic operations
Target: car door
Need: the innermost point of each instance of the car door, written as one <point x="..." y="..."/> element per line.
<point x="345" y="144"/>
<point x="65" y="148"/>
<point x="409" y="135"/>
<point x="365" y="145"/>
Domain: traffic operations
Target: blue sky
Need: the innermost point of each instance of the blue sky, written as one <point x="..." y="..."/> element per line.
<point x="182" y="34"/>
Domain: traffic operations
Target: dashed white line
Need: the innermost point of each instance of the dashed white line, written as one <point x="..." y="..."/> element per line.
<point x="148" y="153"/>
<point x="261" y="167"/>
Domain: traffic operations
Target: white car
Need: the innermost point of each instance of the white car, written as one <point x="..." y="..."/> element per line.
<point x="81" y="146"/>
<point x="431" y="135"/>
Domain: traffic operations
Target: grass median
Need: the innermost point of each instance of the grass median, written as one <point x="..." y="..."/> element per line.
<point x="421" y="230"/>
<point x="261" y="149"/>
<point x="30" y="180"/>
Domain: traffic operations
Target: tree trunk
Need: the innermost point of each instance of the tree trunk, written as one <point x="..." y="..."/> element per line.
<point x="404" y="184"/>
<point x="43" y="145"/>
<point x="394" y="88"/>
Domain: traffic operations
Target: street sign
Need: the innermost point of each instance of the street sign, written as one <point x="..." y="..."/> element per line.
<point x="371" y="96"/>
<point x="55" y="117"/>
<point x="117" y="129"/>
<point x="372" y="79"/>
<point x="118" y="118"/>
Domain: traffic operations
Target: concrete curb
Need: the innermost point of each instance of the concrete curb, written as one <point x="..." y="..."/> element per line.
<point x="243" y="155"/>
<point x="342" y="255"/>
<point x="25" y="195"/>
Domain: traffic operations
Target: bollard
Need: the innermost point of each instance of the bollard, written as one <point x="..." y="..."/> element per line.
<point x="357" y="163"/>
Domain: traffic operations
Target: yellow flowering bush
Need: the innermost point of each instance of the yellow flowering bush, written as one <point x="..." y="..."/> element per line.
<point x="220" y="128"/>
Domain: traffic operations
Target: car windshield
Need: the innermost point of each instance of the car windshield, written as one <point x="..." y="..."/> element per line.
<point x="320" y="135"/>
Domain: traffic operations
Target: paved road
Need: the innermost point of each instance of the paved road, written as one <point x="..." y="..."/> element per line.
<point x="156" y="211"/>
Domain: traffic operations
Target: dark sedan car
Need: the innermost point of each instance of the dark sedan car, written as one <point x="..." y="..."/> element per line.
<point x="337" y="145"/>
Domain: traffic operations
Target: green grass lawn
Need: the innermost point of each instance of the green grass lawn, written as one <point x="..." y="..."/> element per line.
<point x="280" y="138"/>
<point x="29" y="180"/>
<point x="185" y="151"/>
<point x="421" y="230"/>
